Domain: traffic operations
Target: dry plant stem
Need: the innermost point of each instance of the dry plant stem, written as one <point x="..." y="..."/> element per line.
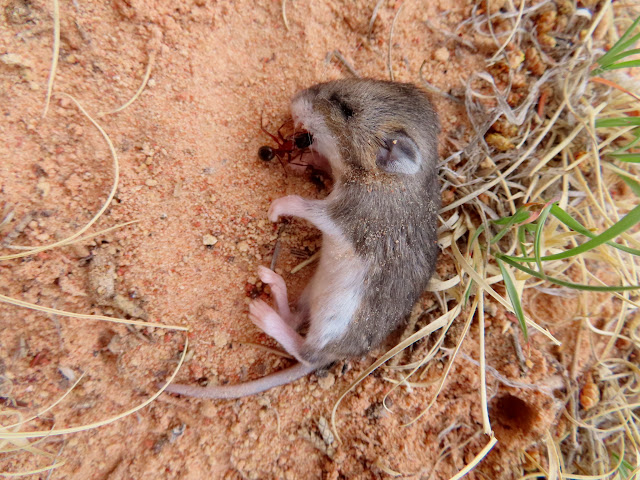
<point x="562" y="145"/>
<point x="483" y="453"/>
<point x="486" y="424"/>
<point x="107" y="203"/>
<point x="432" y="327"/>
<point x="416" y="365"/>
<point x="390" y="47"/>
<point x="42" y="412"/>
<point x="512" y="34"/>
<point x="307" y="262"/>
<point x="611" y="84"/>
<point x="554" y="460"/>
<point x="20" y="303"/>
<point x="284" y="14"/>
<point x="445" y="375"/>
<point x="55" y="461"/>
<point x="147" y="74"/>
<point x="374" y="15"/>
<point x="338" y="55"/>
<point x="512" y="168"/>
<point x="45" y="433"/>
<point x="56" y="54"/>
<point x="81" y="239"/>
<point x="483" y="284"/>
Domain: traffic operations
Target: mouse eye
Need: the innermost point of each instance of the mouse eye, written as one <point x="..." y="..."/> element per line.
<point x="346" y="110"/>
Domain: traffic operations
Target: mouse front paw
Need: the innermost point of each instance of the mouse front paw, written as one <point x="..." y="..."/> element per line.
<point x="290" y="205"/>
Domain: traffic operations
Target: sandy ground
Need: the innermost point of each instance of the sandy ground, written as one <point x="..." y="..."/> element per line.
<point x="188" y="168"/>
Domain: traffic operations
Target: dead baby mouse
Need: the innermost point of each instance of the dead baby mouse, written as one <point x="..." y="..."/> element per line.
<point x="379" y="243"/>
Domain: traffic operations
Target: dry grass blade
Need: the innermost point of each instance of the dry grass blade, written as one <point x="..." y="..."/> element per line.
<point x="556" y="126"/>
<point x="80" y="239"/>
<point x="20" y="303"/>
<point x="432" y="327"/>
<point x="145" y="79"/>
<point x="107" y="203"/>
<point x="485" y="286"/>
<point x="447" y="369"/>
<point x="476" y="460"/>
<point x="283" y="6"/>
<point x="390" y="45"/>
<point x="101" y="423"/>
<point x="56" y="55"/>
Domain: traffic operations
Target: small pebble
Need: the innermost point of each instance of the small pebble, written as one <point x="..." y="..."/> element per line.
<point x="327" y="382"/>
<point x="243" y="246"/>
<point x="151" y="182"/>
<point x="209" y="240"/>
<point x="220" y="339"/>
<point x="43" y="187"/>
<point x="441" y="54"/>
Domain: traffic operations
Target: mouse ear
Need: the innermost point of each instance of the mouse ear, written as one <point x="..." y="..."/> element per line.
<point x="399" y="154"/>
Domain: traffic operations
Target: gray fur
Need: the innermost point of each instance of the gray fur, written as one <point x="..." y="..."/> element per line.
<point x="390" y="219"/>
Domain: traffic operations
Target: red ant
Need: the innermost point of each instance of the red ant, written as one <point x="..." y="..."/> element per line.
<point x="290" y="147"/>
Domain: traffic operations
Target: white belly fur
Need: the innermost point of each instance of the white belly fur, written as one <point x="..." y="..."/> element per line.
<point x="335" y="292"/>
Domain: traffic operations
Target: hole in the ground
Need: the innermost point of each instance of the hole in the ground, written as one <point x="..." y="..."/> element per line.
<point x="514" y="413"/>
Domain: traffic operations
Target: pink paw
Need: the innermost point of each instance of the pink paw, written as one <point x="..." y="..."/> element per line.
<point x="284" y="206"/>
<point x="259" y="313"/>
<point x="268" y="276"/>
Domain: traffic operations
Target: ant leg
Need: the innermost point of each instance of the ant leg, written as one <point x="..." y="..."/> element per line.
<point x="280" y="132"/>
<point x="267" y="320"/>
<point x="275" y="139"/>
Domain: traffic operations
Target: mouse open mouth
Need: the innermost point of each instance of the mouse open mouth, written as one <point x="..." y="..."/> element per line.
<point x="295" y="150"/>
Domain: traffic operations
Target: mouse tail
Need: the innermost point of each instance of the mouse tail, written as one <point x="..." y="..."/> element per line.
<point x="246" y="389"/>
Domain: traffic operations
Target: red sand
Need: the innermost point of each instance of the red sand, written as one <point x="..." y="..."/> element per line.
<point x="187" y="150"/>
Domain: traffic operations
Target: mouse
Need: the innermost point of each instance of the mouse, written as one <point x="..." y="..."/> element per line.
<point x="379" y="139"/>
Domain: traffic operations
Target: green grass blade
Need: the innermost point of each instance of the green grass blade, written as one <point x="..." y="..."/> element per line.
<point x="627" y="33"/>
<point x="477" y="234"/>
<point x="618" y="122"/>
<point x="522" y="238"/>
<point x="576" y="226"/>
<point x="475" y="237"/>
<point x="520" y="216"/>
<point x="634" y="142"/>
<point x="467" y="294"/>
<point x="618" y="66"/>
<point x="624" y="55"/>
<point x="624" y="224"/>
<point x="627" y="157"/>
<point x="625" y="469"/>
<point x="537" y="242"/>
<point x="633" y="185"/>
<point x="512" y="292"/>
<point x="557" y="281"/>
<point x="622" y="44"/>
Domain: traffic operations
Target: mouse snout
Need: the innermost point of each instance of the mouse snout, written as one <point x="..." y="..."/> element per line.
<point x="302" y="111"/>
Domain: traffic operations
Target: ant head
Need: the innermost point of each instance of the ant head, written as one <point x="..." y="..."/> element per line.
<point x="266" y="153"/>
<point x="303" y="140"/>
